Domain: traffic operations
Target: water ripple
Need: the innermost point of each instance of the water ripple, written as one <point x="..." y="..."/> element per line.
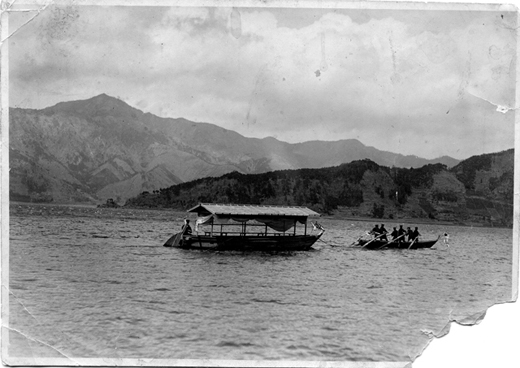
<point x="99" y="283"/>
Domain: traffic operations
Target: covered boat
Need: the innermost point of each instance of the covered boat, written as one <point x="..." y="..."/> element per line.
<point x="381" y="244"/>
<point x="250" y="227"/>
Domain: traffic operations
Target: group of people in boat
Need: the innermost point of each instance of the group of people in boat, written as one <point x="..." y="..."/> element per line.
<point x="399" y="235"/>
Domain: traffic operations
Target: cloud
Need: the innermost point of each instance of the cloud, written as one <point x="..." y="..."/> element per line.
<point x="329" y="78"/>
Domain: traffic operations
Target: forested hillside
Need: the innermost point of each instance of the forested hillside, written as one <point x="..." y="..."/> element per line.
<point x="490" y="175"/>
<point x="476" y="191"/>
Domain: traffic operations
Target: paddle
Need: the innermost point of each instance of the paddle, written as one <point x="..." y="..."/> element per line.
<point x="329" y="244"/>
<point x="393" y="241"/>
<point x="357" y="240"/>
<point x="178" y="239"/>
<point x="175" y="239"/>
<point x="412" y="243"/>
<point x="170" y="241"/>
<point x="380" y="235"/>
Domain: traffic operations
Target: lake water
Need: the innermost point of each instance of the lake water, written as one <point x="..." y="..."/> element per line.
<point x="97" y="283"/>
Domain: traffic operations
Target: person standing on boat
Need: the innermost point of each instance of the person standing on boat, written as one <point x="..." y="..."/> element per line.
<point x="186" y="228"/>
<point x="383" y="231"/>
<point x="447" y="239"/>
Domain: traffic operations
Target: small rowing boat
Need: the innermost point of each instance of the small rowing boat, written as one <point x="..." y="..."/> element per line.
<point x="381" y="244"/>
<point x="249" y="227"/>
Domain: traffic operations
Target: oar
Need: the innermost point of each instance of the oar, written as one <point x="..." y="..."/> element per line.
<point x="179" y="237"/>
<point x="412" y="243"/>
<point x="357" y="240"/>
<point x="380" y="235"/>
<point x="329" y="244"/>
<point x="170" y="241"/>
<point x="393" y="241"/>
<point x="174" y="239"/>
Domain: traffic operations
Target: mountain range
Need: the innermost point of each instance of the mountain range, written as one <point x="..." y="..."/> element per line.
<point x="100" y="148"/>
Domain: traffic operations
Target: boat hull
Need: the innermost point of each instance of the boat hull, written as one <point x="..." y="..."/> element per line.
<point x="249" y="242"/>
<point x="379" y="244"/>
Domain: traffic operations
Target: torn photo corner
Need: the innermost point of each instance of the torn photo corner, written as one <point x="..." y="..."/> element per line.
<point x="252" y="183"/>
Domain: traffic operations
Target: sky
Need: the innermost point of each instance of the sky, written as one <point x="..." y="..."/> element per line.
<point x="422" y="82"/>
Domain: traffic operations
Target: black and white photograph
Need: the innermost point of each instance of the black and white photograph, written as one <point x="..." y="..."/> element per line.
<point x="255" y="183"/>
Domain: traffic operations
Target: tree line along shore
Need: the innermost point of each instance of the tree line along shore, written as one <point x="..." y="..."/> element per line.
<point x="477" y="191"/>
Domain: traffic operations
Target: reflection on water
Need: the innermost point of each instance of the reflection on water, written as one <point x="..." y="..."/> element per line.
<point x="98" y="283"/>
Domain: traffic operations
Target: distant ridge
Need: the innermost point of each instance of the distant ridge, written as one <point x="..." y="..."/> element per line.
<point x="99" y="148"/>
<point x="478" y="190"/>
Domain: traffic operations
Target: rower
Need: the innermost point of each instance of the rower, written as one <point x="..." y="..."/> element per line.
<point x="383" y="231"/>
<point x="376" y="231"/>
<point x="409" y="233"/>
<point x="401" y="232"/>
<point x="394" y="233"/>
<point x="416" y="234"/>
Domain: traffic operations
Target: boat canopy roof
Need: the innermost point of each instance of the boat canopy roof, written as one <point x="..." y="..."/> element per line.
<point x="280" y="218"/>
<point x="253" y="211"/>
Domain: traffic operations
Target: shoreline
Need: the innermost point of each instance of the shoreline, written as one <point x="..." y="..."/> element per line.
<point x="81" y="205"/>
<point x="410" y="220"/>
<point x="338" y="216"/>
